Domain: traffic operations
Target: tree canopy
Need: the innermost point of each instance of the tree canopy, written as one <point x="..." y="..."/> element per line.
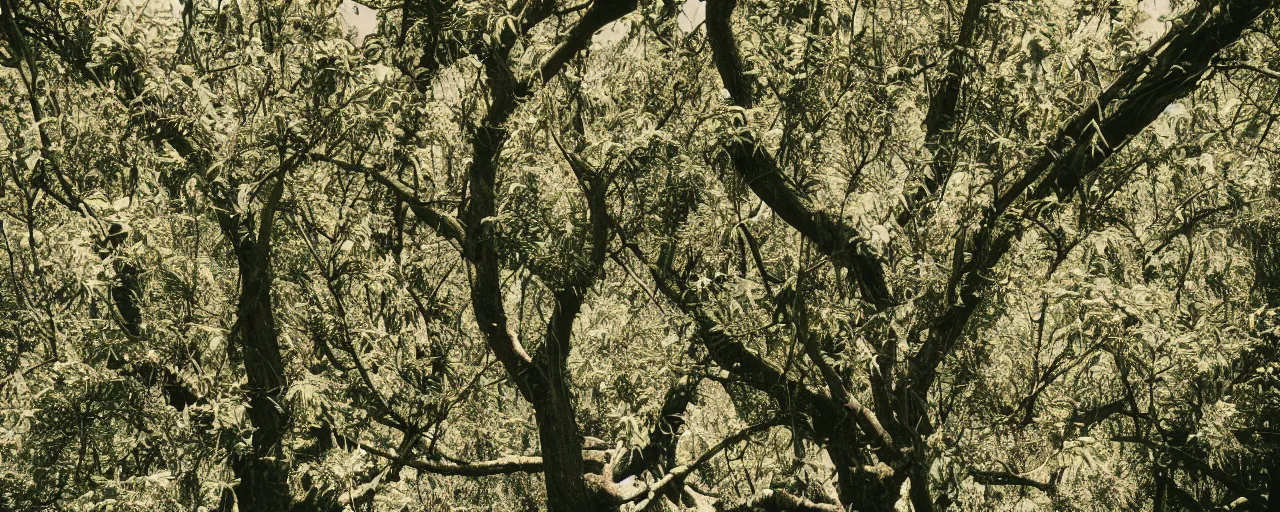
<point x="599" y="255"/>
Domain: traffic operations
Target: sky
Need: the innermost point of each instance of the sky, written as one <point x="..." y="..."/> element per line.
<point x="359" y="18"/>
<point x="1153" y="27"/>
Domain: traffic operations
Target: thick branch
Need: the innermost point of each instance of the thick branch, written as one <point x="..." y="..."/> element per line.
<point x="1170" y="69"/>
<point x="487" y="144"/>
<point x="1167" y="71"/>
<point x="1007" y="478"/>
<point x="774" y="500"/>
<point x="941" y="136"/>
<point x="545" y="386"/>
<point x="501" y="466"/>
<point x="1082" y="421"/>
<point x="601" y="13"/>
<point x="760" y="171"/>
<point x="677" y="475"/>
<point x="445" y="36"/>
<point x="865" y="417"/>
<point x="728" y="353"/>
<point x="829" y="416"/>
<point x="661" y="447"/>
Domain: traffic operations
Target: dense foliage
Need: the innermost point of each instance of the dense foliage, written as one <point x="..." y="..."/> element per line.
<point x="806" y="255"/>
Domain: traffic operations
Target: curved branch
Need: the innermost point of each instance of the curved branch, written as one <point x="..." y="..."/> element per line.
<point x="601" y="13"/>
<point x="760" y="171"/>
<point x="442" y="223"/>
<point x="543" y="385"/>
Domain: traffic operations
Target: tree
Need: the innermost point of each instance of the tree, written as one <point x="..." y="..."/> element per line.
<point x="621" y="255"/>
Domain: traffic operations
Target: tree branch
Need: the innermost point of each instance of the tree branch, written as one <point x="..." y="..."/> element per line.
<point x="1007" y="478"/>
<point x="1082" y="421"/>
<point x="678" y="474"/>
<point x="544" y="386"/>
<point x="941" y="135"/>
<point x="1167" y="71"/>
<point x="601" y="13"/>
<point x="1261" y="70"/>
<point x="442" y="223"/>
<point x="760" y="171"/>
<point x="1199" y="465"/>
<point x="1170" y="69"/>
<point x="775" y="500"/>
<point x="661" y="447"/>
<point x="501" y="466"/>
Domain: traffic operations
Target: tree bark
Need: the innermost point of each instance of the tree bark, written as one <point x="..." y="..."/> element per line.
<point x="264" y="473"/>
<point x="542" y="380"/>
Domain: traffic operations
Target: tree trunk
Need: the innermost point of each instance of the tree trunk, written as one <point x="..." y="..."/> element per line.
<point x="861" y="486"/>
<point x="561" y="454"/>
<point x="264" y="473"/>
